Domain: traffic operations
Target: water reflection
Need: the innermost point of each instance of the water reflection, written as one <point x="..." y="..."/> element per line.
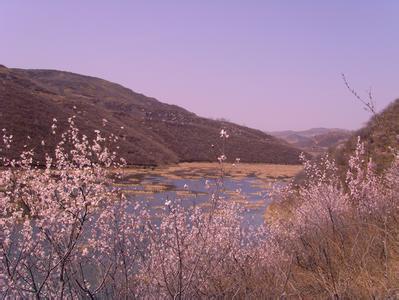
<point x="154" y="190"/>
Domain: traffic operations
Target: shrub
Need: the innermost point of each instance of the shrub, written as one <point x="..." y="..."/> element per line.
<point x="66" y="232"/>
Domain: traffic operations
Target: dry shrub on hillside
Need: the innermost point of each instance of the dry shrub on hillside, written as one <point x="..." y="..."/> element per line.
<point x="344" y="238"/>
<point x="65" y="232"/>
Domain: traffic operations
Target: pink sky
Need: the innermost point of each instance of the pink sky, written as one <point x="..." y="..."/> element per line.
<point x="270" y="65"/>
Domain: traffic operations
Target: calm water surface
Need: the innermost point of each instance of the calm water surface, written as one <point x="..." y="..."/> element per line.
<point x="251" y="192"/>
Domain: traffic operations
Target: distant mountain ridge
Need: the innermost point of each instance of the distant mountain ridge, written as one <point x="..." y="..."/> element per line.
<point x="314" y="140"/>
<point x="154" y="132"/>
<point x="381" y="139"/>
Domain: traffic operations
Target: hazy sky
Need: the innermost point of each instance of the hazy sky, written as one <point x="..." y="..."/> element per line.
<point x="271" y="65"/>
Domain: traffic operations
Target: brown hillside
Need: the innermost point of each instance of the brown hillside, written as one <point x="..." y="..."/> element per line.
<point x="380" y="135"/>
<point x="154" y="132"/>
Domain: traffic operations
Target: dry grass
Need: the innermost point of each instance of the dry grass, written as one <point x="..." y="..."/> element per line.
<point x="200" y="170"/>
<point x="278" y="210"/>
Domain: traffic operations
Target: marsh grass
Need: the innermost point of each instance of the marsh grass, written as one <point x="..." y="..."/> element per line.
<point x="203" y="170"/>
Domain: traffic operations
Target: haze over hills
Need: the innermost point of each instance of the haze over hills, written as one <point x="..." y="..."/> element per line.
<point x="314" y="140"/>
<point x="153" y="132"/>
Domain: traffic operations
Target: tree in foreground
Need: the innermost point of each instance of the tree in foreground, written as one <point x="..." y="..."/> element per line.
<point x="67" y="232"/>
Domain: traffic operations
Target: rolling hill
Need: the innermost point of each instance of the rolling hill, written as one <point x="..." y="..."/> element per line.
<point x="315" y="140"/>
<point x="153" y="132"/>
<point x="380" y="135"/>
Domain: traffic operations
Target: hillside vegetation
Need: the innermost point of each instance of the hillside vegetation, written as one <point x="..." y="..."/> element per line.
<point x="66" y="230"/>
<point x="380" y="136"/>
<point x="150" y="132"/>
<point x="65" y="233"/>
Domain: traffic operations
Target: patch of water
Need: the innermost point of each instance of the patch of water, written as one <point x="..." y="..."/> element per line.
<point x="250" y="192"/>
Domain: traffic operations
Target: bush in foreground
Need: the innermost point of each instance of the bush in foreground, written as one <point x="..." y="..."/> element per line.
<point x="65" y="232"/>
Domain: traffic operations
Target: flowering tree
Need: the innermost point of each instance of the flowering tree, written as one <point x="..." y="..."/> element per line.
<point x="61" y="235"/>
<point x="66" y="232"/>
<point x="342" y="236"/>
